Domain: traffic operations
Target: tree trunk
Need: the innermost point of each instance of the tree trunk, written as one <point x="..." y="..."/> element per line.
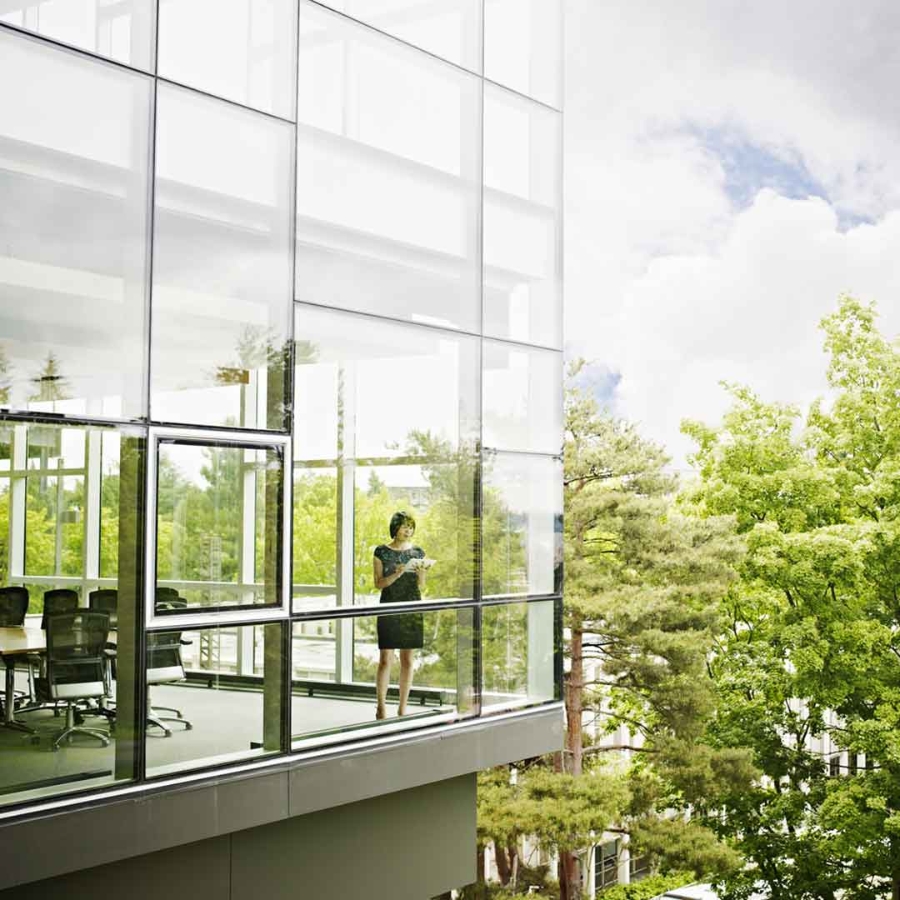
<point x="569" y="869"/>
<point x="513" y="865"/>
<point x="502" y="863"/>
<point x="575" y="703"/>
<point x="569" y="877"/>
<point x="479" y="871"/>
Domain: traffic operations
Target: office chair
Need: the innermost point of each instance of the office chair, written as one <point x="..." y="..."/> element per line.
<point x="165" y="666"/>
<point x="13" y="608"/>
<point x="75" y="667"/>
<point x="106" y="600"/>
<point x="58" y="600"/>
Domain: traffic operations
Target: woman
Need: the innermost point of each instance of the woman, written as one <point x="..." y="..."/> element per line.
<point x="399" y="573"/>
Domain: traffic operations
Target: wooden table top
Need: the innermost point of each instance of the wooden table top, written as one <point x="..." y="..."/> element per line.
<point x="18" y="641"/>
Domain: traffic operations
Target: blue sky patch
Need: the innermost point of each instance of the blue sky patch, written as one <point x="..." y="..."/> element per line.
<point x="750" y="167"/>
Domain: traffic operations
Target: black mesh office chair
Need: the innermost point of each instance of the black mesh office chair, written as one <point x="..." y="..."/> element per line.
<point x="168" y="598"/>
<point x="75" y="667"/>
<point x="165" y="666"/>
<point x="106" y="600"/>
<point x="58" y="600"/>
<point x="13" y="606"/>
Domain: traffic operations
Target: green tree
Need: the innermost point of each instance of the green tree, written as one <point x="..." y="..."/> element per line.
<point x="644" y="582"/>
<point x="813" y="622"/>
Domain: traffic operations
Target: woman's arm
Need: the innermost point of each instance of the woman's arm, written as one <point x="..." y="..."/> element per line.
<point x="381" y="580"/>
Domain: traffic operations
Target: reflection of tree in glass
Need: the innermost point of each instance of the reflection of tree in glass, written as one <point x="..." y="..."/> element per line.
<point x="50" y="384"/>
<point x="259" y="349"/>
<point x="6" y="378"/>
<point x="315" y="523"/>
<point x="199" y="528"/>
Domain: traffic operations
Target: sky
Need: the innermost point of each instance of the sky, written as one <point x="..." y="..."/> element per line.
<point x="731" y="168"/>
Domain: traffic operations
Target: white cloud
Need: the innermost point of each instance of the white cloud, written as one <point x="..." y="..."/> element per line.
<point x="667" y="281"/>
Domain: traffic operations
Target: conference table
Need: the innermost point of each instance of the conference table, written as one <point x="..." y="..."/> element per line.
<point x="16" y="643"/>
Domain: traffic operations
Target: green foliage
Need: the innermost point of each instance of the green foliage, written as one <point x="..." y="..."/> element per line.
<point x="814" y="616"/>
<point x="645" y="577"/>
<point x="648" y="888"/>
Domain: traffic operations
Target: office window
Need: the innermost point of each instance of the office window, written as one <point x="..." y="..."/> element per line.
<point x="74" y="136"/>
<point x="243" y="50"/>
<point x="214" y="696"/>
<point x="522" y="219"/>
<point x="219" y="526"/>
<point x="222" y="264"/>
<point x="336" y="687"/>
<point x="517" y="652"/>
<point x="52" y="525"/>
<point x="450" y="29"/>
<point x="521" y="525"/>
<point x="606" y="865"/>
<point x="834" y="765"/>
<point x="120" y="31"/>
<point x="523" y="43"/>
<point x="388" y="173"/>
<point x="522" y="391"/>
<point x="386" y="418"/>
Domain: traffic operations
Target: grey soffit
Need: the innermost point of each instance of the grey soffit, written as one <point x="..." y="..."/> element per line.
<point x="152" y="818"/>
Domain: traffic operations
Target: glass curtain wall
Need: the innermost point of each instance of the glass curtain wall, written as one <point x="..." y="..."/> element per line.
<point x="280" y="346"/>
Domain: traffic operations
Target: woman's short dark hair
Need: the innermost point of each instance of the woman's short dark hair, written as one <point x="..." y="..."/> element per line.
<point x="399" y="519"/>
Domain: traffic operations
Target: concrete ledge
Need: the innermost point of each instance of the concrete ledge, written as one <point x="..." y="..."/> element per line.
<point x="151" y="817"/>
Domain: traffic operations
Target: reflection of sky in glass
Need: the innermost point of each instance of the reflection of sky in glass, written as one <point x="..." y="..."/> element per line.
<point x="450" y="29"/>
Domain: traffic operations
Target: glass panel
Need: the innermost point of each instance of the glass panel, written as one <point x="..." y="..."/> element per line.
<point x="74" y="138"/>
<point x="222" y="264"/>
<point x="388" y="174"/>
<point x="522" y="398"/>
<point x="521" y="525"/>
<point x="219" y="525"/>
<point x="243" y="50"/>
<point x="110" y="481"/>
<point x="401" y="401"/>
<point x="55" y="526"/>
<point x="517" y="649"/>
<point x="451" y="28"/>
<point x="342" y="677"/>
<point x="523" y="47"/>
<point x="440" y="498"/>
<point x="217" y="691"/>
<point x="121" y="31"/>
<point x="522" y="220"/>
<point x="316" y="531"/>
<point x="50" y="532"/>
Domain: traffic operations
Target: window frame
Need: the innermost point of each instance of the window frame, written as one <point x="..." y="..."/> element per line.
<point x="215" y="616"/>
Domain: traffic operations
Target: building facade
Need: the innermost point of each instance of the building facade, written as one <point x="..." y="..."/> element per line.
<point x="272" y="271"/>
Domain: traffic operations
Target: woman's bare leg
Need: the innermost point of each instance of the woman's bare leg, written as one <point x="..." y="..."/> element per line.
<point x="406" y="674"/>
<point x="382" y="678"/>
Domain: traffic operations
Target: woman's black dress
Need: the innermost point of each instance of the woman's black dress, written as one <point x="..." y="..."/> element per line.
<point x="403" y="631"/>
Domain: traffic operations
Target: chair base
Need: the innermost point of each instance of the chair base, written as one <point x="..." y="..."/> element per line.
<point x="71" y="728"/>
<point x="66" y="733"/>
<point x="154" y="718"/>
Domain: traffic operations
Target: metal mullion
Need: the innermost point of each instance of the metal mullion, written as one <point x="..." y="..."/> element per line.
<point x="71" y="48"/>
<point x="390" y="37"/>
<point x="361" y="612"/>
<point x="180" y="85"/>
<point x="443" y="329"/>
